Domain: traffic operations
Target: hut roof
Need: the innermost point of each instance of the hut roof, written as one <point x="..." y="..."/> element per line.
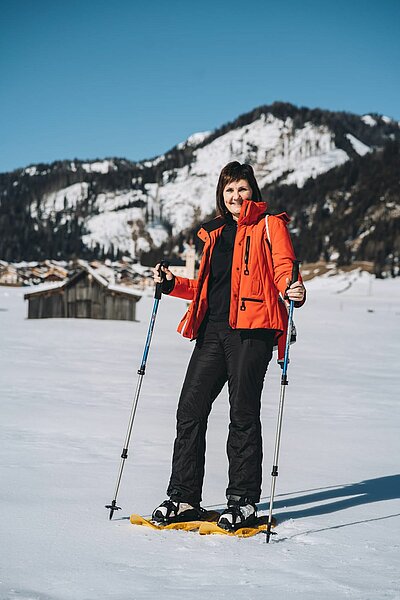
<point x="42" y="288"/>
<point x="56" y="286"/>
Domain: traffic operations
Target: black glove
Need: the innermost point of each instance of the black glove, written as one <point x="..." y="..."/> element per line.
<point x="168" y="285"/>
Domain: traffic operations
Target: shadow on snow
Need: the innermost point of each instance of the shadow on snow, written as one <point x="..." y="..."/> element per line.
<point x="335" y="498"/>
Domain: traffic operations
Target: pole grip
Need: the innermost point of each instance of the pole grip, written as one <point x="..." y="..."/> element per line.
<point x="295" y="271"/>
<point x="158" y="290"/>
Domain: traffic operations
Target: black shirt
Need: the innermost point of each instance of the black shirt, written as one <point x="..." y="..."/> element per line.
<point x="219" y="287"/>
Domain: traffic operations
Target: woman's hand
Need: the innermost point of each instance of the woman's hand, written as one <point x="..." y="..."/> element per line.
<point x="295" y="291"/>
<point x="156" y="273"/>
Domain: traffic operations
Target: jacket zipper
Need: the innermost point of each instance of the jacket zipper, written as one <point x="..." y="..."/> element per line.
<point x="246" y="256"/>
<point x="244" y="300"/>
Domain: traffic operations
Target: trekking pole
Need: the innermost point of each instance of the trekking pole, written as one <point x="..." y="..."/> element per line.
<point x="284" y="383"/>
<point x="141" y="372"/>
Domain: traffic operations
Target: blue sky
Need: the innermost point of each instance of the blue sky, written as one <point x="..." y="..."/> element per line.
<point x="87" y="79"/>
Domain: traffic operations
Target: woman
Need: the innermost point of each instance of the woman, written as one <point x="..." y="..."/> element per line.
<point x="235" y="316"/>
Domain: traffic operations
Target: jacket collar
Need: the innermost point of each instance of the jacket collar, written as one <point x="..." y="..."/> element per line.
<point x="250" y="213"/>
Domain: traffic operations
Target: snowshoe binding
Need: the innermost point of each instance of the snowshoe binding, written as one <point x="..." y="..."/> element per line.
<point x="241" y="512"/>
<point x="177" y="512"/>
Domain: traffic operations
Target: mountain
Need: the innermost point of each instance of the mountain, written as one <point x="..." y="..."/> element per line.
<point x="351" y="213"/>
<point x="336" y="173"/>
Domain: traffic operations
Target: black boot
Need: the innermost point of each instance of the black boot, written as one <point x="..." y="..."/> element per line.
<point x="176" y="512"/>
<point x="241" y="512"/>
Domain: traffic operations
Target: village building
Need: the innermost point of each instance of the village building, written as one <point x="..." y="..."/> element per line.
<point x="55" y="273"/>
<point x="8" y="274"/>
<point x="84" y="294"/>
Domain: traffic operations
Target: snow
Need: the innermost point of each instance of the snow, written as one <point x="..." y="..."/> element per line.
<point x="67" y="387"/>
<point x="355" y="244"/>
<point x="358" y="146"/>
<point x="274" y="147"/>
<point x="158" y="234"/>
<point x="126" y="290"/>
<point x="99" y="166"/>
<point x="154" y="162"/>
<point x="194" y="139"/>
<point x="111" y="227"/>
<point x="24" y="263"/>
<point x="368" y="120"/>
<point x="113" y="224"/>
<point x="31" y="170"/>
<point x="277" y="149"/>
<point x="43" y="287"/>
<point x="117" y="200"/>
<point x="103" y="274"/>
<point x="66" y="198"/>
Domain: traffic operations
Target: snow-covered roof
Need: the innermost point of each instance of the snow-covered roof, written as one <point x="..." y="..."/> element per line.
<point x="93" y="272"/>
<point x="123" y="289"/>
<point x="57" y="285"/>
<point x="43" y="287"/>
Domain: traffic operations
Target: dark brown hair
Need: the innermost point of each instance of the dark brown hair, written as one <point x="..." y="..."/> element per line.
<point x="234" y="171"/>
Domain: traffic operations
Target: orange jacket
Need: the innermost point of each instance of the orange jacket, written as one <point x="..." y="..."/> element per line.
<point x="259" y="272"/>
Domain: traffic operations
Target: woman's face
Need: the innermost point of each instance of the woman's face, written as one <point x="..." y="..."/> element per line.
<point x="234" y="194"/>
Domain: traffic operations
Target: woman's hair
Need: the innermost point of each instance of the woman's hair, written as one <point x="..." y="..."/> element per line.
<point x="234" y="171"/>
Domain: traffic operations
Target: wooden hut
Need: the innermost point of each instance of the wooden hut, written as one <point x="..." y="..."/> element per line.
<point x="84" y="295"/>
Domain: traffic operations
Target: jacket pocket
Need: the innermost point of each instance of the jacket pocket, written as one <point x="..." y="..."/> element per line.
<point x="244" y="300"/>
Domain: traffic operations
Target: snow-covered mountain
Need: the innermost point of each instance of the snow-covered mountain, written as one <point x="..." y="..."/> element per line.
<point x="116" y="205"/>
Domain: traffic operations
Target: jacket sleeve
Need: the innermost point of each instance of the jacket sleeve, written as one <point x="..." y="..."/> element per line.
<point x="282" y="255"/>
<point x="184" y="288"/>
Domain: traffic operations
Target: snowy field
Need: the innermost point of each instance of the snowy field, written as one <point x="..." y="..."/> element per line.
<point x="66" y="390"/>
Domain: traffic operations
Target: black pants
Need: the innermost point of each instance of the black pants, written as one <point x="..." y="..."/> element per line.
<point x="222" y="354"/>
